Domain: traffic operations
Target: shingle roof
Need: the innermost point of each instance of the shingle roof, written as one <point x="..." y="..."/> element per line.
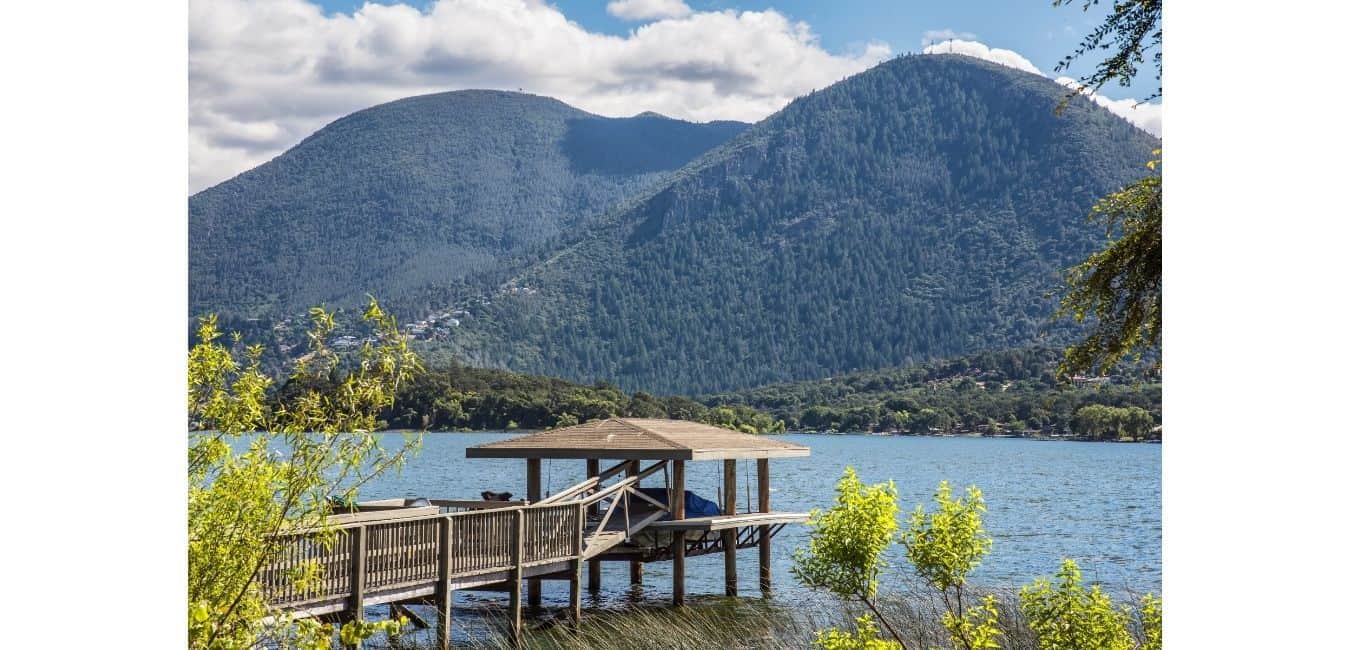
<point x="646" y="439"/>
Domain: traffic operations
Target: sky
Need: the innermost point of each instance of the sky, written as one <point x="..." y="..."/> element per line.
<point x="263" y="74"/>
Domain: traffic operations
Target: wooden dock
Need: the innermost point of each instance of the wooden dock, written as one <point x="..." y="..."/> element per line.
<point x="384" y="552"/>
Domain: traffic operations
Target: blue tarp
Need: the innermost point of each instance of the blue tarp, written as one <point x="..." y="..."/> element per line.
<point x="694" y="505"/>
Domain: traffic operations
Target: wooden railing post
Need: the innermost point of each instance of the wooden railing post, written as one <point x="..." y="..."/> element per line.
<point x="677" y="539"/>
<point x="357" y="605"/>
<point x="635" y="566"/>
<point x="765" y="535"/>
<point x="445" y="594"/>
<point x="534" y="493"/>
<point x="593" y="570"/>
<point x="574" y="583"/>
<point x="517" y="559"/>
<point x="729" y="535"/>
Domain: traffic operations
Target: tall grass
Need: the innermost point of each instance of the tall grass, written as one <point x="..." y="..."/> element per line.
<point x="752" y="623"/>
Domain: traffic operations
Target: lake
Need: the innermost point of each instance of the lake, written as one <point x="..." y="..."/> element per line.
<point x="1098" y="503"/>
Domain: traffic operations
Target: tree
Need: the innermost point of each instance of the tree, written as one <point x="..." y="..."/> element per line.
<point x="1132" y="30"/>
<point x="845" y="553"/>
<point x="1121" y="285"/>
<point x="1065" y="616"/>
<point x="944" y="547"/>
<point x="257" y="468"/>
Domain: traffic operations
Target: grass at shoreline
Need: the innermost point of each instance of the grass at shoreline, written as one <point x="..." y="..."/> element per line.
<point x="750" y="623"/>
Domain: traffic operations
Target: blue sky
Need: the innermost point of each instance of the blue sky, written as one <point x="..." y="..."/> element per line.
<point x="1035" y="29"/>
<point x="264" y="74"/>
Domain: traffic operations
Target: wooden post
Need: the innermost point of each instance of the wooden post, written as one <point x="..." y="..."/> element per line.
<point x="729" y="535"/>
<point x="517" y="558"/>
<point x="534" y="586"/>
<point x="677" y="539"/>
<point x="593" y="569"/>
<point x="574" y="582"/>
<point x="357" y="604"/>
<point x="445" y="595"/>
<point x="635" y="566"/>
<point x="765" y="557"/>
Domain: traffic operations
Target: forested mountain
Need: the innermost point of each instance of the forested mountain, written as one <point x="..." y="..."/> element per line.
<point x="419" y="193"/>
<point x="924" y="208"/>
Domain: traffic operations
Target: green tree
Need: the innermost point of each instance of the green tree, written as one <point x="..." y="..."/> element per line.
<point x="1131" y="31"/>
<point x="1065" y="616"/>
<point x="257" y="468"/>
<point x="845" y="554"/>
<point x="1121" y="285"/>
<point x="944" y="547"/>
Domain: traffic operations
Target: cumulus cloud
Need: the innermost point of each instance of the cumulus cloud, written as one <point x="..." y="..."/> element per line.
<point x="264" y="74"/>
<point x="1147" y="116"/>
<point x="642" y="10"/>
<point x="981" y="51"/>
<point x="939" y="35"/>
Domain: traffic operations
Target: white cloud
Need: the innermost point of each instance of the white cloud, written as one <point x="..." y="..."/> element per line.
<point x="264" y="74"/>
<point x="939" y="35"/>
<point x="982" y="51"/>
<point x="1147" y="116"/>
<point x="643" y="10"/>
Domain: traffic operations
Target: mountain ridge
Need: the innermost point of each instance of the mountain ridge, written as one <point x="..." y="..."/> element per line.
<point x="963" y="156"/>
<point x="424" y="190"/>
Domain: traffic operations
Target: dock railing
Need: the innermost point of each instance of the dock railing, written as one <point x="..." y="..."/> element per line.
<point x="349" y="559"/>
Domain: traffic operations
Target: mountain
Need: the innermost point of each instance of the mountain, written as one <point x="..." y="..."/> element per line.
<point x="420" y="192"/>
<point x="924" y="208"/>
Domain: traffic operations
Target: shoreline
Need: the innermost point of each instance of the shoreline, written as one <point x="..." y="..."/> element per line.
<point x="823" y="433"/>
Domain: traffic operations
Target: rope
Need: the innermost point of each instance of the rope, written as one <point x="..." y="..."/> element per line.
<point x="548" y="491"/>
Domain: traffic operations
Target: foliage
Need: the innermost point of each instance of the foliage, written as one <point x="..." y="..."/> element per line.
<point x="943" y="547"/>
<point x="1106" y="422"/>
<point x="425" y="191"/>
<point x="977" y="628"/>
<point x="1150" y="619"/>
<point x="1007" y="391"/>
<point x="1131" y="30"/>
<point x="257" y="468"/>
<point x="455" y="397"/>
<point x="946" y="545"/>
<point x="1065" y="616"/>
<point x="1120" y="286"/>
<point x="845" y="553"/>
<point x="863" y="637"/>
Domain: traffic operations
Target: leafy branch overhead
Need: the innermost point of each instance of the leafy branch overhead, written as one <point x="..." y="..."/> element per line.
<point x="1120" y="286"/>
<point x="1132" y="33"/>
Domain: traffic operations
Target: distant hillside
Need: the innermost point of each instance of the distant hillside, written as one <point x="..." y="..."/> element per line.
<point x="420" y="192"/>
<point x="1008" y="391"/>
<point x="922" y="209"/>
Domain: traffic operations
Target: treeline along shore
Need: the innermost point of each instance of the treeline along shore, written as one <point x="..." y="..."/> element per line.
<point x="1005" y="393"/>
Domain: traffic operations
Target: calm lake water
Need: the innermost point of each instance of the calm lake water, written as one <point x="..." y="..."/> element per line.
<point x="1098" y="503"/>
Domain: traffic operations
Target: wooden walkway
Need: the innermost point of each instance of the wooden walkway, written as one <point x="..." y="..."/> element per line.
<point x="387" y="553"/>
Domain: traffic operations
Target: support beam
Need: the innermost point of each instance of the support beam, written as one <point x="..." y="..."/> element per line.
<point x="765" y="535"/>
<point x="593" y="568"/>
<point x="729" y="535"/>
<point x="517" y="557"/>
<point x="445" y="595"/>
<point x="677" y="541"/>
<point x="574" y="597"/>
<point x="634" y="567"/>
<point x="357" y="605"/>
<point x="534" y="494"/>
